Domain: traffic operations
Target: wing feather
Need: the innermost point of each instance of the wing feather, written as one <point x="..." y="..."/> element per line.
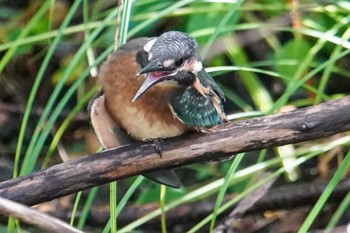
<point x="195" y="109"/>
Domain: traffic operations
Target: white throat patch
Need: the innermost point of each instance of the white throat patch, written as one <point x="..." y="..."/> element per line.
<point x="197" y="67"/>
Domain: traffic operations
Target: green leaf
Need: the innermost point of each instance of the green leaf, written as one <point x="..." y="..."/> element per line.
<point x="293" y="53"/>
<point x="206" y="19"/>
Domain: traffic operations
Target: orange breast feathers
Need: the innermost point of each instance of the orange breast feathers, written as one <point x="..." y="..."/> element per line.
<point x="150" y="116"/>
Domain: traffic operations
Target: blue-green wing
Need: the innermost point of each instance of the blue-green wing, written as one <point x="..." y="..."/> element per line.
<point x="196" y="110"/>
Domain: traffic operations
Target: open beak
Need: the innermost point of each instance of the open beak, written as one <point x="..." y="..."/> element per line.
<point x="149" y="81"/>
<point x="150" y="67"/>
<point x="155" y="74"/>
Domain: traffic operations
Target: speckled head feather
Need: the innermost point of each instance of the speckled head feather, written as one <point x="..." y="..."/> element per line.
<point x="169" y="54"/>
<point x="173" y="46"/>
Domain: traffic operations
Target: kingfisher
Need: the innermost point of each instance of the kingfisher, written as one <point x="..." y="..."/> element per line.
<point x="155" y="88"/>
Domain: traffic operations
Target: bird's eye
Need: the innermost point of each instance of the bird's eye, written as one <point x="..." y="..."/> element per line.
<point x="179" y="62"/>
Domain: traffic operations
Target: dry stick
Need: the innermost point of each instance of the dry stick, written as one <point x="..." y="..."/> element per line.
<point x="34" y="217"/>
<point x="287" y="197"/>
<point x="265" y="132"/>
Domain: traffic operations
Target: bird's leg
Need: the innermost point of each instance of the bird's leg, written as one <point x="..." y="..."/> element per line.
<point x="157" y="142"/>
<point x="158" y="145"/>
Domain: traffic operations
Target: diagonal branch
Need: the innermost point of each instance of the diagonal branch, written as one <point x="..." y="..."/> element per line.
<point x="35" y="217"/>
<point x="264" y="132"/>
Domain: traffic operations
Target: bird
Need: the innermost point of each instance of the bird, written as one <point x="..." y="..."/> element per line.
<point x="155" y="88"/>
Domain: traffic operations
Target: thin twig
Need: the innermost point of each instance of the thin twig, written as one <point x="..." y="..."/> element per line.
<point x="34" y="217"/>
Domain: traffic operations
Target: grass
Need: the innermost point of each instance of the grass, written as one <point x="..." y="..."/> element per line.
<point x="324" y="29"/>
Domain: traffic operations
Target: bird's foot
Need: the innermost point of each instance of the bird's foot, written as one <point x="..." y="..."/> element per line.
<point x="157" y="142"/>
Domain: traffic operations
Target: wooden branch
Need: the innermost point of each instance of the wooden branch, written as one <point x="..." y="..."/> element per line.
<point x="286" y="197"/>
<point x="34" y="217"/>
<point x="279" y="129"/>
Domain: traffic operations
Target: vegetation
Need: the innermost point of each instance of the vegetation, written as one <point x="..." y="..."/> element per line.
<point x="268" y="56"/>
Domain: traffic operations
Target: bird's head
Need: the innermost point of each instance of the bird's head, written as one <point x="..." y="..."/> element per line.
<point x="169" y="55"/>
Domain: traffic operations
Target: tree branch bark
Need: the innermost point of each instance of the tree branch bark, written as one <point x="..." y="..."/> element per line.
<point x="264" y="132"/>
<point x="34" y="217"/>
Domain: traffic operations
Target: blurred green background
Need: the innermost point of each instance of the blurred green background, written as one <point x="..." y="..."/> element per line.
<point x="267" y="56"/>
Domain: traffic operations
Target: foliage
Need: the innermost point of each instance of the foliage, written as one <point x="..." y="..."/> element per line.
<point x="267" y="56"/>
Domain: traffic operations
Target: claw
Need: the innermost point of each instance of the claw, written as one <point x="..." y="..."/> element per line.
<point x="157" y="142"/>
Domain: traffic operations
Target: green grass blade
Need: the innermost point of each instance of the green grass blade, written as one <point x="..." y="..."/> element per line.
<point x="75" y="207"/>
<point x="237" y="198"/>
<point x="243" y="194"/>
<point x="234" y="98"/>
<point x="294" y="84"/>
<point x="122" y="203"/>
<point x="34" y="92"/>
<point x="60" y="131"/>
<point x="292" y="88"/>
<point x="40" y="135"/>
<point x="123" y="35"/>
<point x="328" y="71"/>
<point x="29" y="25"/>
<point x="113" y="205"/>
<point x="343" y="207"/>
<point x="87" y="207"/>
<point x="265" y="72"/>
<point x="158" y="15"/>
<point x="53" y="34"/>
<point x="325" y="195"/>
<point x="124" y="23"/>
<point x="232" y="12"/>
<point x="202" y="192"/>
<point x="234" y="165"/>
<point x="162" y="208"/>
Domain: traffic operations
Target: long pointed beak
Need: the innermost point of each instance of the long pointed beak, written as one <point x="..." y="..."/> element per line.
<point x="151" y="66"/>
<point x="149" y="81"/>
